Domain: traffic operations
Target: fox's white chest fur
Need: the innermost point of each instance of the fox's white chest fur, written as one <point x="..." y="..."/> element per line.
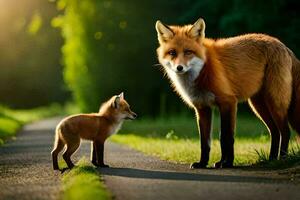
<point x="186" y="87"/>
<point x="115" y="128"/>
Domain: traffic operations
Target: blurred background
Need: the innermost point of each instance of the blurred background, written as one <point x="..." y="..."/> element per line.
<point x="86" y="51"/>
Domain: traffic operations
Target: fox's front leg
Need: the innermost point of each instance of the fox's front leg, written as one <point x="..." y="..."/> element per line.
<point x="93" y="154"/>
<point x="100" y="153"/>
<point x="204" y="116"/>
<point x="228" y="121"/>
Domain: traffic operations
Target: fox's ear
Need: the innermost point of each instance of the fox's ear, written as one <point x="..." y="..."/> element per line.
<point x="121" y="95"/>
<point x="164" y="32"/>
<point x="198" y="29"/>
<point x="116" y="102"/>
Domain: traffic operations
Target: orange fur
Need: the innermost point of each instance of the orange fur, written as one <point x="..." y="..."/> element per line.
<point x="96" y="127"/>
<point x="251" y="66"/>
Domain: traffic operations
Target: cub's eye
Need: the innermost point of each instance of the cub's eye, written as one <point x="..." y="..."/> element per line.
<point x="188" y="52"/>
<point x="172" y="52"/>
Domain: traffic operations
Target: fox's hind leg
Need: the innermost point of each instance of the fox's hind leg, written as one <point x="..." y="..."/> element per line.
<point x="71" y="148"/>
<point x="277" y="93"/>
<point x="259" y="107"/>
<point x="281" y="119"/>
<point x="58" y="146"/>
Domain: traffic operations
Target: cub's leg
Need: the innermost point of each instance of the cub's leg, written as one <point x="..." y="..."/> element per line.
<point x="71" y="148"/>
<point x="100" y="152"/>
<point x="58" y="146"/>
<point x="93" y="154"/>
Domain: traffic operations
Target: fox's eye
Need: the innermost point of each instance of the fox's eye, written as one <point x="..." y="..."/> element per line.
<point x="188" y="52"/>
<point x="172" y="52"/>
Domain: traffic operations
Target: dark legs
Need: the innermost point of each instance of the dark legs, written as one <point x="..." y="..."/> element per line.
<point x="97" y="154"/>
<point x="71" y="148"/>
<point x="204" y="116"/>
<point x="277" y="123"/>
<point x="58" y="147"/>
<point x="228" y="121"/>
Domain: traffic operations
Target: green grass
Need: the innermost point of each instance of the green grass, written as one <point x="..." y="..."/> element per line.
<point x="12" y="120"/>
<point x="292" y="159"/>
<point x="8" y="128"/>
<point x="177" y="139"/>
<point x="188" y="150"/>
<point x="34" y="114"/>
<point x="83" y="182"/>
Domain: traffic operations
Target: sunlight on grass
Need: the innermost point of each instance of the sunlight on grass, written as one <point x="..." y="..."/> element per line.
<point x="248" y="126"/>
<point x="176" y="139"/>
<point x="83" y="182"/>
<point x="12" y="120"/>
<point x="292" y="159"/>
<point x="188" y="150"/>
<point x="30" y="115"/>
<point x="8" y="128"/>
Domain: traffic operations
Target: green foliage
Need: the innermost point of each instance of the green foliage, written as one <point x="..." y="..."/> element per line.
<point x="12" y="120"/>
<point x="8" y="128"/>
<point x="110" y="45"/>
<point x="35" y="24"/>
<point x="30" y="69"/>
<point x="185" y="127"/>
<point x="83" y="182"/>
<point x="109" y="48"/>
<point x="292" y="159"/>
<point x="29" y="115"/>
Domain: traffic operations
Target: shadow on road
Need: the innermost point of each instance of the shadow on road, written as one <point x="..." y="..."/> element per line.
<point x="181" y="176"/>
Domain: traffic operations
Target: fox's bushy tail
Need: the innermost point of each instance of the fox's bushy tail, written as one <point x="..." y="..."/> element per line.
<point x="294" y="109"/>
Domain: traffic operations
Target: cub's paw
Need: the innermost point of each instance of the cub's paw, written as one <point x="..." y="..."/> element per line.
<point x="63" y="170"/>
<point x="223" y="164"/>
<point x="198" y="165"/>
<point x="103" y="165"/>
<point x="95" y="163"/>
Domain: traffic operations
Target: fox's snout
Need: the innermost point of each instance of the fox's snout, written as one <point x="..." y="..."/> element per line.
<point x="132" y="116"/>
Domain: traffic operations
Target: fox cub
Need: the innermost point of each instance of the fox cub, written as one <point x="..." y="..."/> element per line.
<point x="96" y="127"/>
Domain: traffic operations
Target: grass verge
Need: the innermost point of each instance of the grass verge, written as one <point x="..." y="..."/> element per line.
<point x="12" y="120"/>
<point x="8" y="128"/>
<point x="83" y="182"/>
<point x="177" y="140"/>
<point x="292" y="159"/>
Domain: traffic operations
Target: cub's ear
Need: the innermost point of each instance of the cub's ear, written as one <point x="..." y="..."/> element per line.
<point x="116" y="102"/>
<point x="198" y="29"/>
<point x="164" y="33"/>
<point x="121" y="95"/>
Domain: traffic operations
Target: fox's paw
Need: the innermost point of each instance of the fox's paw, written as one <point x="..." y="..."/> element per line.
<point x="223" y="164"/>
<point x="198" y="165"/>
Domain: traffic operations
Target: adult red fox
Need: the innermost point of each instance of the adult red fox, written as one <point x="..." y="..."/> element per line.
<point x="254" y="67"/>
<point x="96" y="127"/>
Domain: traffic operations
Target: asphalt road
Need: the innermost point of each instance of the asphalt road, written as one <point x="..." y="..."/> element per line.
<point x="26" y="173"/>
<point x="25" y="164"/>
<point x="135" y="176"/>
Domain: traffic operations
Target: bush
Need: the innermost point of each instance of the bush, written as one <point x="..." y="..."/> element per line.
<point x="110" y="45"/>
